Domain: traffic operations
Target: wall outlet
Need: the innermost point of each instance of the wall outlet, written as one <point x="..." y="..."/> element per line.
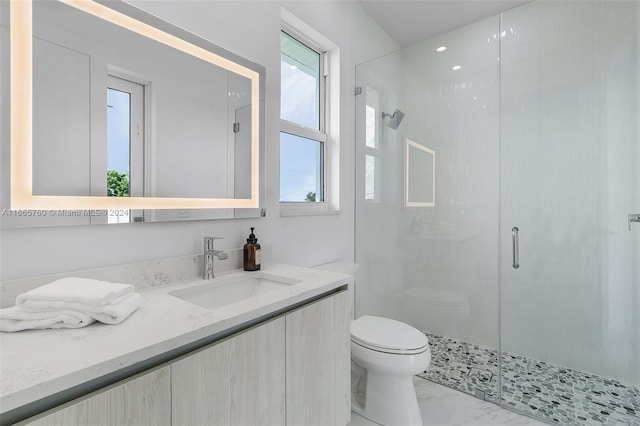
<point x="183" y="213"/>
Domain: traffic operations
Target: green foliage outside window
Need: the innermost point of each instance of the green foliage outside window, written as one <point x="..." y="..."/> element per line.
<point x="117" y="184"/>
<point x="311" y="196"/>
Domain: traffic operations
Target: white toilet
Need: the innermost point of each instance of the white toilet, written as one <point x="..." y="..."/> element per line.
<point x="385" y="355"/>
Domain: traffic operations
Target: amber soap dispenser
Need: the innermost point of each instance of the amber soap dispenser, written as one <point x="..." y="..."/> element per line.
<point x="252" y="253"/>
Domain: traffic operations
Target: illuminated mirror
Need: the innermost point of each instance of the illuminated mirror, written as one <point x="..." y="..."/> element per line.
<point x="121" y="117"/>
<point x="420" y="175"/>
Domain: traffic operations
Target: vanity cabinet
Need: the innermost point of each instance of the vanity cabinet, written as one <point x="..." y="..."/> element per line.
<point x="143" y="400"/>
<point x="292" y="369"/>
<point x="318" y="366"/>
<point x="238" y="381"/>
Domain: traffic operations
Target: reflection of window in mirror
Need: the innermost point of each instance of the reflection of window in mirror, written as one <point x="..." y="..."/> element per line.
<point x="373" y="159"/>
<point x="125" y="144"/>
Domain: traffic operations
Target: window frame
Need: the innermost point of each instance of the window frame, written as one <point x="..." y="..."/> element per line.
<point x="139" y="109"/>
<point x="328" y="205"/>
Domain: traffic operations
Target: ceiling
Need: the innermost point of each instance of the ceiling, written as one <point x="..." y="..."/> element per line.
<point x="410" y="22"/>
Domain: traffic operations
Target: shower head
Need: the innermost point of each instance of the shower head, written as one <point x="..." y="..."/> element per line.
<point x="394" y="119"/>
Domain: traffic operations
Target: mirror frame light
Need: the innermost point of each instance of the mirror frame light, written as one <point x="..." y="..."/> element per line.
<point x="21" y="58"/>
<point x="408" y="145"/>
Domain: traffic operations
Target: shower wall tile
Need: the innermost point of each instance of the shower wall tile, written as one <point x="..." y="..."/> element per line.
<point x="462" y="130"/>
<point x="475" y="46"/>
<point x="520" y="138"/>
<point x="614" y="18"/>
<point x="567" y="104"/>
<point x="615" y="116"/>
<point x="564" y="25"/>
<point x="522" y="38"/>
<point x="616" y="72"/>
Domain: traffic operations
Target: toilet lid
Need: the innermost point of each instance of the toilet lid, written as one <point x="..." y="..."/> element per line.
<point x="386" y="334"/>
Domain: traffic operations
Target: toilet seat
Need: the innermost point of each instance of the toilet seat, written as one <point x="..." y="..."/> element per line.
<point x="388" y="336"/>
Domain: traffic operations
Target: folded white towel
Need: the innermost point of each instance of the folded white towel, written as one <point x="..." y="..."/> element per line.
<point x="82" y="290"/>
<point x="15" y="319"/>
<point x="112" y="313"/>
<point x="116" y="313"/>
<point x="70" y="303"/>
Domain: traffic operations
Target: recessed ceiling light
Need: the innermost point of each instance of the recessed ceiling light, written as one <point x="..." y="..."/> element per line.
<point x="441" y="49"/>
<point x="456" y="67"/>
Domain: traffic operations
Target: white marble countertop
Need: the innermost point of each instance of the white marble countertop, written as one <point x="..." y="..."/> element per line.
<point x="38" y="363"/>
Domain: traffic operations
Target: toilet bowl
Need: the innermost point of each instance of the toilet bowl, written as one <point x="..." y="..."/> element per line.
<point x="385" y="356"/>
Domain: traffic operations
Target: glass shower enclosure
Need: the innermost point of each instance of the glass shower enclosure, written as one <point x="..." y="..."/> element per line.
<point x="496" y="209"/>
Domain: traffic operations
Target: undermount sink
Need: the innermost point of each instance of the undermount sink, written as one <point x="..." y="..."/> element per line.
<point x="231" y="290"/>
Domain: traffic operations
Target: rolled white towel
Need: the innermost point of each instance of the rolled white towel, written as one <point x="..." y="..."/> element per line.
<point x="83" y="290"/>
<point x="15" y="319"/>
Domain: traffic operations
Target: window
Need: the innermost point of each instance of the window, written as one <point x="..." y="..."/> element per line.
<point x="373" y="159"/>
<point x="303" y="138"/>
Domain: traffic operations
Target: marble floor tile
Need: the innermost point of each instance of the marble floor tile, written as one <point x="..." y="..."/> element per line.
<point x="442" y="406"/>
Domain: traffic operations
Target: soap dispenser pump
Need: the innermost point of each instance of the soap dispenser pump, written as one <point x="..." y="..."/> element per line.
<point x="252" y="253"/>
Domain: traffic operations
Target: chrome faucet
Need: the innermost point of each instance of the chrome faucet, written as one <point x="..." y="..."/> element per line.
<point x="209" y="252"/>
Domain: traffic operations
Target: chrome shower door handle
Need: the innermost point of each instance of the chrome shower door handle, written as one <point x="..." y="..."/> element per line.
<point x="634" y="217"/>
<point x="514" y="242"/>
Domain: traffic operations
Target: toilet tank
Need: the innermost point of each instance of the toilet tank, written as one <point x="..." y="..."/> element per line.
<point x="348" y="268"/>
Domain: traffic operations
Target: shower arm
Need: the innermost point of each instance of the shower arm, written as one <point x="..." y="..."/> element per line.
<point x="634" y="217"/>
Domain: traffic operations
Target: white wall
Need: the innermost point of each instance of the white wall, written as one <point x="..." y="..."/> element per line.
<point x="250" y="29"/>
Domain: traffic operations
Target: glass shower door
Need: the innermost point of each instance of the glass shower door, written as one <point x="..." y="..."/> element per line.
<point x="427" y="200"/>
<point x="569" y="178"/>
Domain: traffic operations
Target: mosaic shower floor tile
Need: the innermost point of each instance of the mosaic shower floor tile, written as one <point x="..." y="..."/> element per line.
<point x="462" y="366"/>
<point x="552" y="393"/>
